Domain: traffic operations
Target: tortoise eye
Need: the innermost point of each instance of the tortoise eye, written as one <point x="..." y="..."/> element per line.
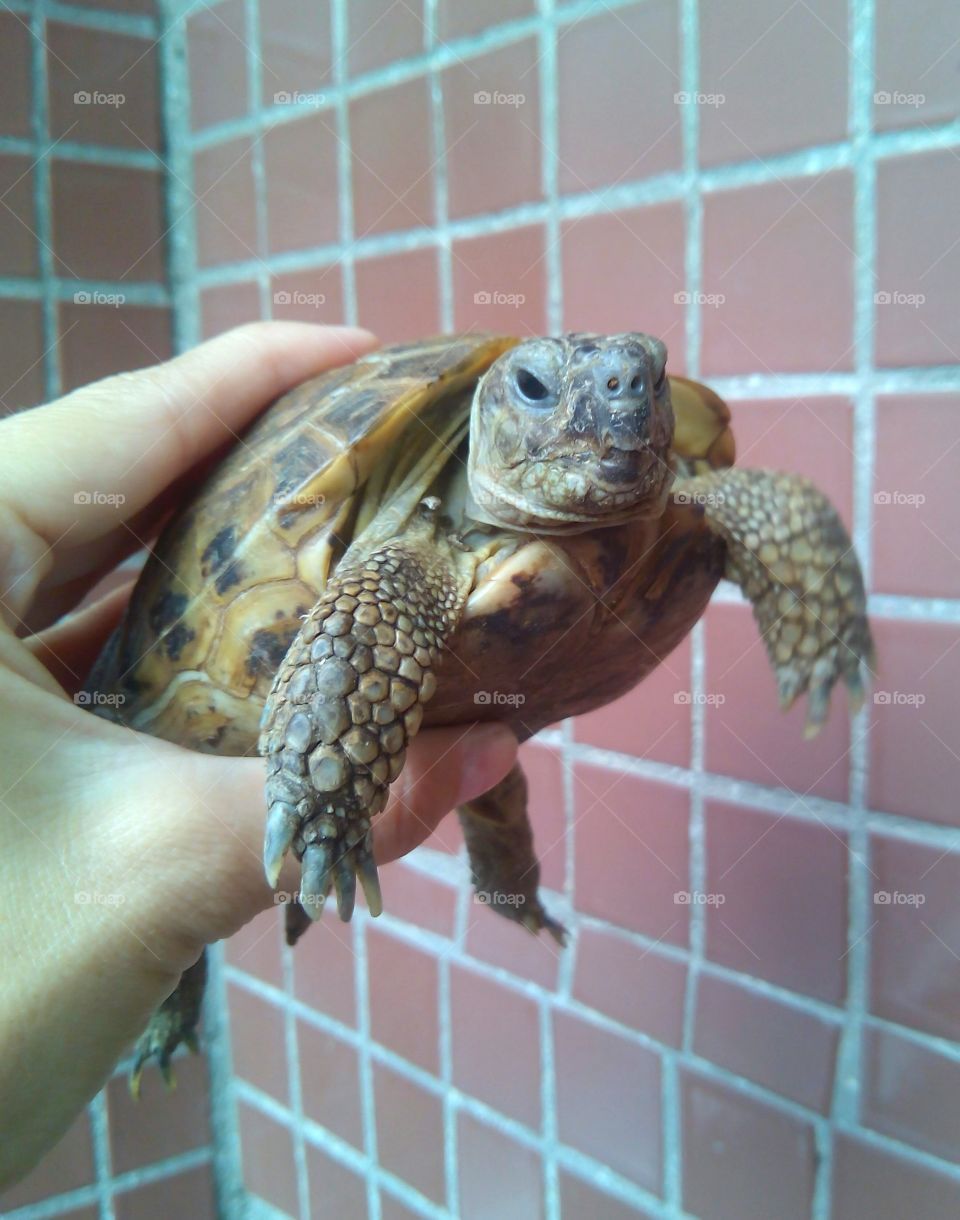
<point x="531" y="387"/>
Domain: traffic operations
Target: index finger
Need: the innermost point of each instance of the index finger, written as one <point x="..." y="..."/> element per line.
<point x="70" y="471"/>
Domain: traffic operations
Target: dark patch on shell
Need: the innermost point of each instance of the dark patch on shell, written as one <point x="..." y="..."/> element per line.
<point x="167" y="610"/>
<point x="230" y="576"/>
<point x="267" y="650"/>
<point x="218" y="550"/>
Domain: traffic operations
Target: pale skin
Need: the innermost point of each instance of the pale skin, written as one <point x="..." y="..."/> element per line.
<point x="165" y="842"/>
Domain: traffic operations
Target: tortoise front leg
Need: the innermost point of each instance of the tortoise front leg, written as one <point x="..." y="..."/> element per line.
<point x="344" y="705"/>
<point x="504" y="868"/>
<point x="788" y="551"/>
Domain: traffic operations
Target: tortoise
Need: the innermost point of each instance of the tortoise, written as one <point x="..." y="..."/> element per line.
<point x="423" y="538"/>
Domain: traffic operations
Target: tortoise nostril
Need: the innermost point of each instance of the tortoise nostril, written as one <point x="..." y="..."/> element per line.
<point x="637" y="383"/>
<point x="613" y="383"/>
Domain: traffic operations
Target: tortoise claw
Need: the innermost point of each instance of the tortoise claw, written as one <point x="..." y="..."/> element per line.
<point x="317" y="877"/>
<point x="369" y="880"/>
<point x="345" y="880"/>
<point x="282" y="826"/>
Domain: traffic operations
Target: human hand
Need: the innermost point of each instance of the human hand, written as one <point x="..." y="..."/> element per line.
<point x="122" y="855"/>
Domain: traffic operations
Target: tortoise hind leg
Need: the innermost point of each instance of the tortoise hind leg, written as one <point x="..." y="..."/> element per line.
<point x="504" y="868"/>
<point x="175" y="1021"/>
<point x="791" y="555"/>
<point x="346" y="701"/>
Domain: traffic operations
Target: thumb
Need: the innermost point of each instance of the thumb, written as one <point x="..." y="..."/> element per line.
<point x="221" y="828"/>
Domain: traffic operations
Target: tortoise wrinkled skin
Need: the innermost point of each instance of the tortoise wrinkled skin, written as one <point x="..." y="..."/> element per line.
<point x="462" y="529"/>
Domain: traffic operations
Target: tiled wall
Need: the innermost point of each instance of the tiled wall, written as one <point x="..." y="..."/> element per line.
<point x="772" y="187"/>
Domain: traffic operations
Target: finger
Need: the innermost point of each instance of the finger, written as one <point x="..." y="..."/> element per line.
<point x="69" y="648"/>
<point x="120" y="441"/>
<point x="212" y="820"/>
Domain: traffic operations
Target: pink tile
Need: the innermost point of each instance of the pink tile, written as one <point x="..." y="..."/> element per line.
<point x="742" y="1158"/>
<point x="97" y="340"/>
<point x="916" y="518"/>
<point x="503" y="943"/>
<point x="416" y="898"/>
<point x="492" y="118"/>
<point x="102" y="87"/>
<point x="459" y="18"/>
<point x="190" y="1193"/>
<point x="871" y="1182"/>
<point x="228" y="306"/>
<point x="392" y="178"/>
<point x="403" y="999"/>
<point x="217" y="41"/>
<point x="15" y="83"/>
<point x="758" y="238"/>
<point x="914" y="733"/>
<point x="409" y="1132"/>
<point x="918" y="260"/>
<point x="747" y="735"/>
<point x="393" y="1209"/>
<point x="68" y="1166"/>
<point x="915" y="936"/>
<point x="577" y="1198"/>
<point x="380" y="32"/>
<point x="911" y="1093"/>
<point x="169" y="1122"/>
<point x="300" y="169"/>
<point x="647" y="722"/>
<point x="308" y="296"/>
<point x="21" y="355"/>
<point x="330" y="1080"/>
<point x="515" y="1189"/>
<point x="749" y="58"/>
<point x="499" y="282"/>
<point x="335" y="1190"/>
<point x="630" y="840"/>
<point x="631" y="101"/>
<point x="266" y="1150"/>
<point x="323" y="970"/>
<point x="640" y="988"/>
<point x="108" y="223"/>
<point x="257" y="947"/>
<point x="783" y="884"/>
<point x="295" y="47"/>
<point x="258" y="1042"/>
<point x="496" y="1045"/>
<point x="623" y="271"/>
<point x="808" y="436"/>
<point x="608" y="1099"/>
<point x="18" y="243"/>
<point x="398" y="295"/>
<point x="916" y="82"/>
<point x="746" y="1032"/>
<point x="226" y="210"/>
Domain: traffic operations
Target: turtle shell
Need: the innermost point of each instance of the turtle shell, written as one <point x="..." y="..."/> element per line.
<point x="221" y="597"/>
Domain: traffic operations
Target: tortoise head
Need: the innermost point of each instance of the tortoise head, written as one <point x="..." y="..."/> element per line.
<point x="572" y="433"/>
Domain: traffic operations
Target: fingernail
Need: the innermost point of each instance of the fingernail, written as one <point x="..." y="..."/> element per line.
<point x="488" y="751"/>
